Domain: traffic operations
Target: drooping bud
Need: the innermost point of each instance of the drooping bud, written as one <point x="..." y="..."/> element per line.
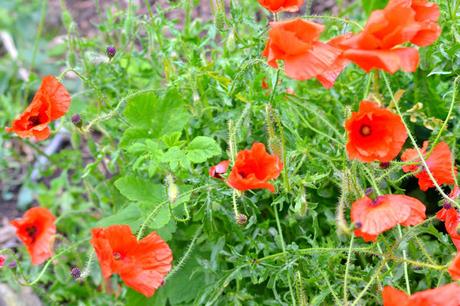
<point x="75" y="272"/>
<point x="111" y="51"/>
<point x="76" y="120"/>
<point x="242" y="219"/>
<point x="173" y="190"/>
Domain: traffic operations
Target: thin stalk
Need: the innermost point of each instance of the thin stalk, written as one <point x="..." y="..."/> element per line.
<point x="406" y="274"/>
<point x="283" y="247"/>
<point x="347" y="270"/>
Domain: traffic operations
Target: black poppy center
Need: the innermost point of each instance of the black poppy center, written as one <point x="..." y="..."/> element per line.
<point x="31" y="231"/>
<point x="365" y="130"/>
<point x="116" y="255"/>
<point x="34" y="120"/>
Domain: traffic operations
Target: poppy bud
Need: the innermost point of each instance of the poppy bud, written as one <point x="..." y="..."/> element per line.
<point x="242" y="219"/>
<point x="384" y="165"/>
<point x="111" y="51"/>
<point x="2" y="260"/>
<point x="173" y="190"/>
<point x="76" y="120"/>
<point x="75" y="272"/>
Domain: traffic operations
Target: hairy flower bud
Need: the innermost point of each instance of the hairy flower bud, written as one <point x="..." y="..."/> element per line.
<point x="75" y="272"/>
<point x="111" y="51"/>
<point x="76" y="120"/>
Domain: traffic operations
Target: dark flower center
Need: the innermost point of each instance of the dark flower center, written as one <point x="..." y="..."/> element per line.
<point x="365" y="130"/>
<point x="116" y="255"/>
<point x="31" y="232"/>
<point x="34" y="120"/>
<point x="358" y="225"/>
<point x="376" y="201"/>
<point x="447" y="205"/>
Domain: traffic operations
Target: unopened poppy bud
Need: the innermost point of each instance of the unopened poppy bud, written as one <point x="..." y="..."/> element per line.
<point x="2" y="260"/>
<point x="242" y="219"/>
<point x="384" y="165"/>
<point x="173" y="190"/>
<point x="75" y="272"/>
<point x="111" y="51"/>
<point x="76" y="120"/>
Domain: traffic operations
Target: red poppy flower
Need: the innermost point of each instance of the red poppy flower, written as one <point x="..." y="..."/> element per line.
<point x="264" y="84"/>
<point x="448" y="295"/>
<point x="439" y="162"/>
<point x="402" y="21"/>
<point x="50" y="102"/>
<point x="328" y="77"/>
<point x="36" y="229"/>
<point x="142" y="265"/>
<point x="296" y="42"/>
<point x="219" y="169"/>
<point x="276" y="6"/>
<point x="373" y="217"/>
<point x="374" y="133"/>
<point x="451" y="217"/>
<point x="254" y="168"/>
<point x="454" y="268"/>
<point x="442" y="214"/>
<point x="2" y="260"/>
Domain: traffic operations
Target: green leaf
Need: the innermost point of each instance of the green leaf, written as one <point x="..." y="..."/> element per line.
<point x="133" y="135"/>
<point x="138" y="189"/>
<point x="371" y="5"/>
<point x="161" y="214"/>
<point x="130" y="215"/>
<point x="201" y="149"/>
<point x="157" y="116"/>
<point x="176" y="157"/>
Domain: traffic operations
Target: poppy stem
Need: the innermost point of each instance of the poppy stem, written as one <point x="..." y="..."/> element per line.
<point x="274" y="86"/>
<point x="449" y="114"/>
<point x="406" y="273"/>
<point x="414" y="144"/>
<point x="283" y="247"/>
<point x="235" y="204"/>
<point x="347" y="269"/>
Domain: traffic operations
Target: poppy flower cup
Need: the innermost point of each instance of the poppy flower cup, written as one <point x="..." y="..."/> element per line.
<point x="448" y="295"/>
<point x="50" y="103"/>
<point x="372" y="217"/>
<point x="276" y="6"/>
<point x="439" y="162"/>
<point x="296" y="43"/>
<point x="254" y="168"/>
<point x="378" y="45"/>
<point x="142" y="265"/>
<point x="36" y="229"/>
<point x="374" y="134"/>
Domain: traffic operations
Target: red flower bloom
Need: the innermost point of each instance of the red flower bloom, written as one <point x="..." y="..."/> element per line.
<point x="219" y="169"/>
<point x="2" y="260"/>
<point x="328" y="77"/>
<point x="448" y="295"/>
<point x="374" y="133"/>
<point x="439" y="162"/>
<point x="451" y="218"/>
<point x="50" y="102"/>
<point x="373" y="217"/>
<point x="454" y="268"/>
<point x="402" y="21"/>
<point x="142" y="265"/>
<point x="296" y="42"/>
<point x="254" y="168"/>
<point x="36" y="229"/>
<point x="276" y="6"/>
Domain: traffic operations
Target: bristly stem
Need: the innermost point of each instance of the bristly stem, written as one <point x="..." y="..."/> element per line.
<point x="414" y="144"/>
<point x="274" y="86"/>
<point x="406" y="274"/>
<point x="347" y="270"/>
<point x="283" y="247"/>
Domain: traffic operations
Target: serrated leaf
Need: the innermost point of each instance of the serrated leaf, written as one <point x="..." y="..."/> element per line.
<point x="176" y="157"/>
<point x="138" y="189"/>
<point x="133" y="135"/>
<point x="157" y="116"/>
<point x="201" y="149"/>
<point x="130" y="215"/>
